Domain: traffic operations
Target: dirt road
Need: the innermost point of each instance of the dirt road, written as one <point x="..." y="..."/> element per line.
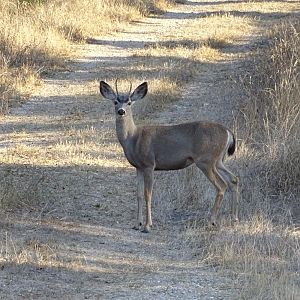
<point x="75" y="193"/>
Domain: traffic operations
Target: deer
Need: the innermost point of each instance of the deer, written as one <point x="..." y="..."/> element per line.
<point x="172" y="147"/>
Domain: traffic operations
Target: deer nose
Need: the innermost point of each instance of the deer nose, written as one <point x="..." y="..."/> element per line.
<point x="121" y="111"/>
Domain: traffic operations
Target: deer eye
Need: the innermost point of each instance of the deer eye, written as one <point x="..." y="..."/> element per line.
<point x="129" y="103"/>
<point x="116" y="102"/>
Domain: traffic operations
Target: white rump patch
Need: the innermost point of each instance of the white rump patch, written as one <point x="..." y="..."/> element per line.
<point x="229" y="139"/>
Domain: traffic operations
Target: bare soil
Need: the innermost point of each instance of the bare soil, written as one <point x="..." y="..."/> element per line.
<point x="73" y="240"/>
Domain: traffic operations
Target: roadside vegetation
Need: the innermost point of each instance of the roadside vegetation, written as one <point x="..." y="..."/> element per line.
<point x="270" y="151"/>
<point x="263" y="251"/>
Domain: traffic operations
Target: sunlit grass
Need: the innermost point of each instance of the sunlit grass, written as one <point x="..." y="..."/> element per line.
<point x="178" y="59"/>
<point x="75" y="148"/>
<point x="36" y="36"/>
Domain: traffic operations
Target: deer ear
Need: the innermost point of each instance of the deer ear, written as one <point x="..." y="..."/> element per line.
<point x="140" y="92"/>
<point x="106" y="91"/>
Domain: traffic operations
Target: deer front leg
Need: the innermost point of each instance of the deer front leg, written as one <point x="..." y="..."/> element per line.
<point x="140" y="186"/>
<point x="148" y="187"/>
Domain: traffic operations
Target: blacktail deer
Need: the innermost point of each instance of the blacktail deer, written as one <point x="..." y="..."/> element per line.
<point x="172" y="147"/>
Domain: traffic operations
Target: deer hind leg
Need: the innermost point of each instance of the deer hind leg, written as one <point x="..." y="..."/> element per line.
<point x="148" y="187"/>
<point x="233" y="184"/>
<point x="220" y="184"/>
<point x="140" y="196"/>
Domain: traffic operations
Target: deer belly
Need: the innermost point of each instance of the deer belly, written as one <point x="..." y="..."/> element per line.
<point x="173" y="164"/>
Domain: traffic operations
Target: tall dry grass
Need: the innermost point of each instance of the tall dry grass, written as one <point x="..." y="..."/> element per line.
<point x="264" y="250"/>
<point x="35" y="35"/>
<point x="272" y="114"/>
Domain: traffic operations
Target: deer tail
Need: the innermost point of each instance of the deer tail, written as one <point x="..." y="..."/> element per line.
<point x="231" y="143"/>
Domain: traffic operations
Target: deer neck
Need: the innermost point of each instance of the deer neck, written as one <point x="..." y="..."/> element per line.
<point x="125" y="128"/>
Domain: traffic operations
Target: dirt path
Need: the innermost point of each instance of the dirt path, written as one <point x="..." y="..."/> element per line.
<point x="73" y="237"/>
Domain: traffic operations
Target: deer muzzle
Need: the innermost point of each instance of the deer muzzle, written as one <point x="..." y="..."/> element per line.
<point x="121" y="111"/>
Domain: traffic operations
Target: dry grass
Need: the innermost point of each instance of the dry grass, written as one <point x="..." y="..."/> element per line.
<point x="177" y="59"/>
<point x="35" y="36"/>
<point x="274" y="110"/>
<point x="29" y="251"/>
<point x="263" y="251"/>
<point x="263" y="257"/>
<point x="77" y="147"/>
<point x="38" y="253"/>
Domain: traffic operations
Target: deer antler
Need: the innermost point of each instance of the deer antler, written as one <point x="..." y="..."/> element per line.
<point x="130" y="88"/>
<point x="116" y="86"/>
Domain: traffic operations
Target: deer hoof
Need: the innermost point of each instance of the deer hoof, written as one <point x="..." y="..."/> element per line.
<point x="137" y="226"/>
<point x="214" y="225"/>
<point x="146" y="229"/>
<point x="213" y="222"/>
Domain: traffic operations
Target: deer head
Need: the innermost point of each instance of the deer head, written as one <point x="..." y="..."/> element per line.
<point x="122" y="102"/>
